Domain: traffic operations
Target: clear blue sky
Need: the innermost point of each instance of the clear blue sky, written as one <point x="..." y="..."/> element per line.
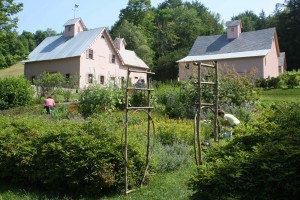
<point x="43" y="14"/>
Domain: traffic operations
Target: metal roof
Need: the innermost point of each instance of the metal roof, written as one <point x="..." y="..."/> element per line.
<point x="130" y="58"/>
<point x="233" y="23"/>
<point x="58" y="47"/>
<point x="220" y="44"/>
<point x="225" y="56"/>
<point x="72" y="21"/>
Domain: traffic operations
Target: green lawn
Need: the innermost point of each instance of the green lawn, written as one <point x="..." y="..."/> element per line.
<point x="275" y="95"/>
<point x="15" y="70"/>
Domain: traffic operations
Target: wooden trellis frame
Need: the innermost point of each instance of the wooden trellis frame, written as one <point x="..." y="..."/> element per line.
<point x="200" y="105"/>
<point x="147" y="109"/>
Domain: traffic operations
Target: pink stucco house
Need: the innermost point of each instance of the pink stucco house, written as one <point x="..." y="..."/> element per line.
<point x="243" y="51"/>
<point x="92" y="55"/>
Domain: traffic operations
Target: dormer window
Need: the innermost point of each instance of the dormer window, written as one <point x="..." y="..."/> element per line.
<point x="232" y="29"/>
<point x="69" y="28"/>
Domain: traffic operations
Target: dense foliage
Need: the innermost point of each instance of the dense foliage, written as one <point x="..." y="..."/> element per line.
<point x="15" y="91"/>
<point x="177" y="100"/>
<point x="65" y="155"/>
<point x="289" y="79"/>
<point x="96" y="99"/>
<point x="262" y="162"/>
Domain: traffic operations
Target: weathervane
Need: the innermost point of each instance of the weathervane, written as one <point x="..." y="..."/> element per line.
<point x="75" y="9"/>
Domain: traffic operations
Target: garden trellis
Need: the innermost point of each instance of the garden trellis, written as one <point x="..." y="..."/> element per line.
<point x="208" y="80"/>
<point x="146" y="109"/>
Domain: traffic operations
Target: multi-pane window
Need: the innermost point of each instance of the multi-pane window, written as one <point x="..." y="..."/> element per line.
<point x="91" y="54"/>
<point x="90" y="78"/>
<point x="113" y="58"/>
<point x="102" y="80"/>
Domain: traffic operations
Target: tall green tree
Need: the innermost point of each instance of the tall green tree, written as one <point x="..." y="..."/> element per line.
<point x="136" y="11"/>
<point x="135" y="40"/>
<point x="177" y="25"/>
<point x="287" y="20"/>
<point x="27" y="38"/>
<point x="249" y="20"/>
<point x="40" y="35"/>
<point x="9" y="47"/>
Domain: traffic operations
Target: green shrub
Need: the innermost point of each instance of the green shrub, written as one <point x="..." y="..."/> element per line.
<point x="171" y="157"/>
<point x="236" y="88"/>
<point x="170" y="131"/>
<point x="68" y="156"/>
<point x="47" y="82"/>
<point x="261" y="163"/>
<point x="96" y="99"/>
<point x="178" y="100"/>
<point x="15" y="91"/>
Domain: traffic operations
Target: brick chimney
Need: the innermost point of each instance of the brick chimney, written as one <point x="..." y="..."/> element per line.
<point x="73" y="27"/>
<point x="234" y="29"/>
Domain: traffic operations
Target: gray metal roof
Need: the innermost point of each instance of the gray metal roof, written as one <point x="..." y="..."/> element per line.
<point x="130" y="58"/>
<point x="72" y="21"/>
<point x="58" y="47"/>
<point x="233" y="23"/>
<point x="219" y="44"/>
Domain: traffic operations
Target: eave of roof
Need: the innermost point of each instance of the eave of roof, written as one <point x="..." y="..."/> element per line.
<point x="131" y="59"/>
<point x="225" y="56"/>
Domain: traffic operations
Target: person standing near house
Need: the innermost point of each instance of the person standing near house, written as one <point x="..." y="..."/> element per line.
<point x="229" y="121"/>
<point x="49" y="104"/>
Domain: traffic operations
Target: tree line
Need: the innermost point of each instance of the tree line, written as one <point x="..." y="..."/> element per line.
<point x="160" y="35"/>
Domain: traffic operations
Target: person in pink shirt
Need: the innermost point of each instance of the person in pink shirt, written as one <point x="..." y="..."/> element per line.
<point x="49" y="104"/>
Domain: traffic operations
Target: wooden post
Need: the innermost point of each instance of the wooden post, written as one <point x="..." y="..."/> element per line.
<point x="126" y="136"/>
<point x="198" y="126"/>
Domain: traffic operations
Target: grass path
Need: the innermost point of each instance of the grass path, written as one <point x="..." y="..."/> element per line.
<point x="165" y="186"/>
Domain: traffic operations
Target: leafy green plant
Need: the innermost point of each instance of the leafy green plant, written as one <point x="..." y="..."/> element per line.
<point x="236" y="88"/>
<point x="68" y="156"/>
<point x="47" y="82"/>
<point x="262" y="162"/>
<point x="15" y="91"/>
<point x="96" y="99"/>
